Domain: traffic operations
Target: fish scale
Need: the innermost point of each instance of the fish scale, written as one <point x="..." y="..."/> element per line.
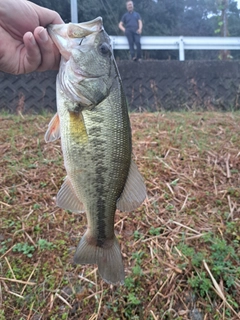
<point x="111" y="166"/>
<point x="93" y="123"/>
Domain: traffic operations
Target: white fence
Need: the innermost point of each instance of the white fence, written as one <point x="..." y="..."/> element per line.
<point x="180" y="43"/>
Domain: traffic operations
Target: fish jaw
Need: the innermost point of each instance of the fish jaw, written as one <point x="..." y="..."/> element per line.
<point x="85" y="74"/>
<point x="66" y="36"/>
<point x="85" y="28"/>
<point x="58" y="33"/>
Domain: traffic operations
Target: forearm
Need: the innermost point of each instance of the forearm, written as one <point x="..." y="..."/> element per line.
<point x="140" y="25"/>
<point x="121" y="26"/>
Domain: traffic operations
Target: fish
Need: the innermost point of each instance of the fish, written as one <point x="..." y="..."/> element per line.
<point x="93" y="123"/>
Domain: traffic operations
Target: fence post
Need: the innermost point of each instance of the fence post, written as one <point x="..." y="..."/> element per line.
<point x="74" y="11"/>
<point x="112" y="38"/>
<point x="181" y="49"/>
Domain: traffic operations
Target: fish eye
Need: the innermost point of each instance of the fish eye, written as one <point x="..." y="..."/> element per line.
<point x="104" y="48"/>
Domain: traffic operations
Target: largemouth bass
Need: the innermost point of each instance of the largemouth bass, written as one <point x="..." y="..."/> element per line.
<point x="93" y="123"/>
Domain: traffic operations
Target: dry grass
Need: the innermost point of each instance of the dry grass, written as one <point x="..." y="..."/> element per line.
<point x="181" y="248"/>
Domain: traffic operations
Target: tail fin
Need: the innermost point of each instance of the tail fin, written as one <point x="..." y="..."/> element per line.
<point x="109" y="260"/>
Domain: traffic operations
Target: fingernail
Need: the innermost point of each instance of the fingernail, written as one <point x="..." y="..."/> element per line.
<point x="32" y="39"/>
<point x="43" y="35"/>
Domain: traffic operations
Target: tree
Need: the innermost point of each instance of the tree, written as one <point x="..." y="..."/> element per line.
<point x="162" y="18"/>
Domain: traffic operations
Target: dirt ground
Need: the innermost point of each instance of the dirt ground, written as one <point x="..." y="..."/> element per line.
<point x="180" y="248"/>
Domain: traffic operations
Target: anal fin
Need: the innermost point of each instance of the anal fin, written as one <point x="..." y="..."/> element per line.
<point x="67" y="198"/>
<point x="134" y="192"/>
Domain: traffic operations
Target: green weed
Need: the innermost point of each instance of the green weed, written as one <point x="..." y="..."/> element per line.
<point x="44" y="244"/>
<point x="222" y="258"/>
<point x="24" y="248"/>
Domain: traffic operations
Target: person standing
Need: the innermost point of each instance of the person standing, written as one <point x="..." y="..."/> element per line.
<point x="131" y="25"/>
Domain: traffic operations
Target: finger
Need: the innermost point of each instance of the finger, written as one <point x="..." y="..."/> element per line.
<point x="49" y="52"/>
<point x="32" y="54"/>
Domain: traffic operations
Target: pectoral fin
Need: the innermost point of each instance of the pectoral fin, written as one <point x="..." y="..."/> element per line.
<point x="53" y="131"/>
<point x="67" y="199"/>
<point x="134" y="192"/>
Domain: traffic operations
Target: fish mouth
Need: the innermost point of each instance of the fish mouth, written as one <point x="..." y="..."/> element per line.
<point x="67" y="36"/>
<point x="84" y="29"/>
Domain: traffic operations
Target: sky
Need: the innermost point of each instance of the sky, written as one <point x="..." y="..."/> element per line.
<point x="238" y="1"/>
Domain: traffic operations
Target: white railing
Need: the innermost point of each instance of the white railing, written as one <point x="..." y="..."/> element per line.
<point x="180" y="43"/>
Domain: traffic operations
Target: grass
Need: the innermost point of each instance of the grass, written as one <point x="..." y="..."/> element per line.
<point x="181" y="247"/>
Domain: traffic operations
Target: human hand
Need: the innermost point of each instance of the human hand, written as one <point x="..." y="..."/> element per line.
<point x="25" y="45"/>
<point x="121" y="27"/>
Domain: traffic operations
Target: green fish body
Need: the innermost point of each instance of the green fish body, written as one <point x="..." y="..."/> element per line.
<point x="93" y="123"/>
